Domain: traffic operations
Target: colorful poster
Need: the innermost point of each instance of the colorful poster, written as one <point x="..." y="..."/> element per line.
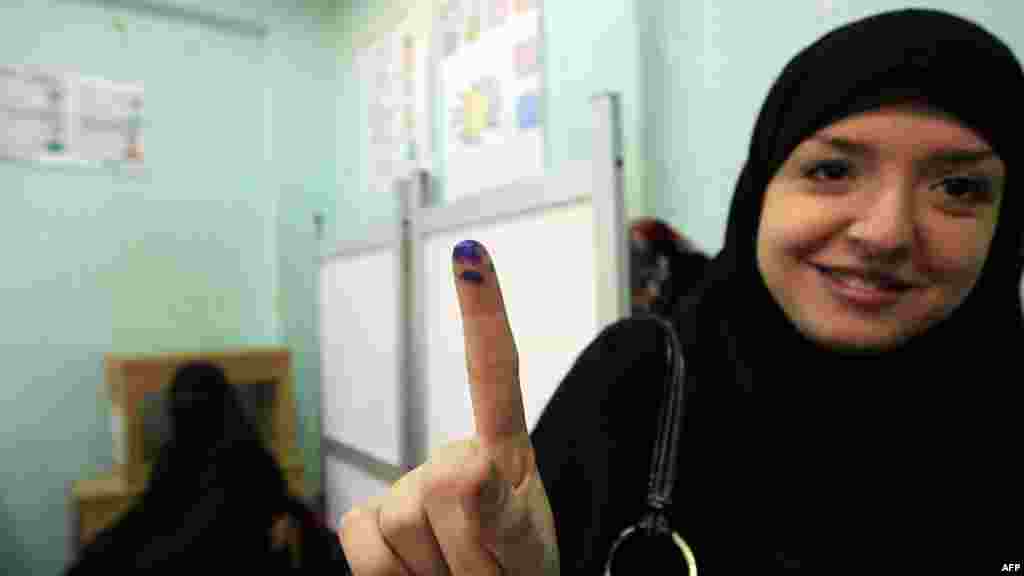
<point x="491" y="85"/>
<point x="392" y="74"/>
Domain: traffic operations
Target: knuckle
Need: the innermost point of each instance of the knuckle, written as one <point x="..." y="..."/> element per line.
<point x="437" y="484"/>
<point x="364" y="553"/>
<point x="444" y="475"/>
<point x="402" y="516"/>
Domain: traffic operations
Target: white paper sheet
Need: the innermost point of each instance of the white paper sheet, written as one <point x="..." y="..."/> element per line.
<point x="108" y="121"/>
<point x="33" y="113"/>
<point x="57" y="116"/>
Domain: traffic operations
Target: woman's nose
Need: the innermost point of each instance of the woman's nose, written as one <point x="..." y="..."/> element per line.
<point x="884" y="228"/>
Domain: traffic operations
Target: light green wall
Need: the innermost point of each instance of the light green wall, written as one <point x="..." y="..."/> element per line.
<point x="713" y="64"/>
<point x="216" y="245"/>
<point x="305" y="166"/>
<point x="212" y="246"/>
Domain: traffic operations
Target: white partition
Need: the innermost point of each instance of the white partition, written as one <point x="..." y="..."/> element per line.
<point x="558" y="244"/>
<point x="362" y="328"/>
<point x="545" y="264"/>
<point x="351" y="479"/>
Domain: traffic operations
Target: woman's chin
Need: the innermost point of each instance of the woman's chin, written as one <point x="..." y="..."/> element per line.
<point x="864" y="342"/>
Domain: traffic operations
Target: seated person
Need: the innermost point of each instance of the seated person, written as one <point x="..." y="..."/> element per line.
<point x="215" y="497"/>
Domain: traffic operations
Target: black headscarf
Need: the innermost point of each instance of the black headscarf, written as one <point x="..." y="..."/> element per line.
<point x="830" y="455"/>
<point x="213" y="493"/>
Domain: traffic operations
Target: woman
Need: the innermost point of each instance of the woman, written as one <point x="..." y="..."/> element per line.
<point x="849" y="354"/>
<point x="819" y="397"/>
<point x="216" y="497"/>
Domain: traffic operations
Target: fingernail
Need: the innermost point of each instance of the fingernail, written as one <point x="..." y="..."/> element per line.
<point x="472" y="276"/>
<point x="468" y="250"/>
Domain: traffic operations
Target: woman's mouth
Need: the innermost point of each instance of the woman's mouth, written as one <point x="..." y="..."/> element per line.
<point x="862" y="287"/>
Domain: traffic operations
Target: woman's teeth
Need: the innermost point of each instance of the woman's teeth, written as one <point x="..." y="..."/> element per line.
<point x="860" y="282"/>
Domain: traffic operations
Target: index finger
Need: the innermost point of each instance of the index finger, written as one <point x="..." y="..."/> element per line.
<point x="491" y="357"/>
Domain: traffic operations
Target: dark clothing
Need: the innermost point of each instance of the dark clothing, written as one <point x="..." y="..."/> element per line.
<point x="772" y="482"/>
<point x="794" y="456"/>
<point x="212" y="497"/>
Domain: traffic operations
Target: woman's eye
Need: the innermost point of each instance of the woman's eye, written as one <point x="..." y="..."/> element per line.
<point x="970" y="189"/>
<point x="828" y="170"/>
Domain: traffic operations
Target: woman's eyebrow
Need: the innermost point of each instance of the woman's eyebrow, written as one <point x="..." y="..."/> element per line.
<point x="947" y="157"/>
<point x="847" y="146"/>
<point x="959" y="157"/>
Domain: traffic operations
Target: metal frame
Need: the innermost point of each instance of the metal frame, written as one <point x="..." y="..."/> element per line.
<point x="394" y="235"/>
<point x="613" y="297"/>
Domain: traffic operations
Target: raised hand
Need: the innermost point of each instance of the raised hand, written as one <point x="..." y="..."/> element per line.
<point x="477" y="506"/>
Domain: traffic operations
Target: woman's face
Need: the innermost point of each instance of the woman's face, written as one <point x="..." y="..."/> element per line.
<point x="878" y="226"/>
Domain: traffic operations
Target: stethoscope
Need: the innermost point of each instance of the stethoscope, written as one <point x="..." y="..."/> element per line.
<point x="655" y="524"/>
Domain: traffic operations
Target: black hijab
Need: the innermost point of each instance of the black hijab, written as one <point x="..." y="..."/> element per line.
<point x="208" y="425"/>
<point x="810" y="442"/>
<point x="212" y="495"/>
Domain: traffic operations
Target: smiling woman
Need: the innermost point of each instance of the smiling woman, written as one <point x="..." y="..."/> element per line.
<point x="826" y="411"/>
<point x="878" y="226"/>
<point x="845" y="404"/>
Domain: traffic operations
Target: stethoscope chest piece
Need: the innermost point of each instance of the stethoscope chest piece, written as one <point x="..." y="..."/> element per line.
<point x="650" y="546"/>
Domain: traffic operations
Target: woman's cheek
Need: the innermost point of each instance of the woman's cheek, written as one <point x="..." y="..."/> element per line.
<point x="955" y="257"/>
<point x="800" y="228"/>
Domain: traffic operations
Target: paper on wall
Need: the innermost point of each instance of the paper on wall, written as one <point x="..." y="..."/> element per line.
<point x="413" y="68"/>
<point x="392" y="72"/>
<point x="46" y="115"/>
<point x="109" y="121"/>
<point x="491" y="82"/>
<point x="34" y="113"/>
<point x="376" y="77"/>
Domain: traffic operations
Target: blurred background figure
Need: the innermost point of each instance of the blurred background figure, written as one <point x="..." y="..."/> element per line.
<point x="664" y="266"/>
<point x="215" y="498"/>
